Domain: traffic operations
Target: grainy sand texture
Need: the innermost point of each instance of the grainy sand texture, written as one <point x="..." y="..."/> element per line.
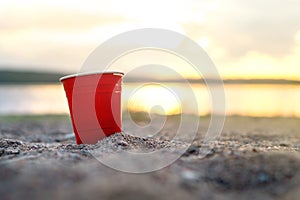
<point x="254" y="158"/>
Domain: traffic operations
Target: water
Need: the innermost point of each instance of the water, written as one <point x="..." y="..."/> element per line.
<point x="247" y="100"/>
<point x="32" y="99"/>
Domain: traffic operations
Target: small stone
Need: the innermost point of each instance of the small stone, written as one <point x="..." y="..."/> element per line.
<point x="69" y="147"/>
<point x="283" y="145"/>
<point x="150" y="136"/>
<point x="80" y="146"/>
<point x="122" y="143"/>
<point x="263" y="178"/>
<point x="84" y="151"/>
<point x="207" y="152"/>
<point x="40" y="150"/>
<point x="12" y="151"/>
<point x="34" y="147"/>
<point x="193" y="150"/>
<point x="12" y="142"/>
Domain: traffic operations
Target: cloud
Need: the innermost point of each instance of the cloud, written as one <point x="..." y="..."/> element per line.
<point x="237" y="33"/>
<point x="240" y="26"/>
<point x="261" y="65"/>
<point x="18" y="19"/>
<point x="52" y="35"/>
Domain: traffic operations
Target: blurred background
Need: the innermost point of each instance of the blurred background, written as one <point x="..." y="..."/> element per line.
<point x="254" y="44"/>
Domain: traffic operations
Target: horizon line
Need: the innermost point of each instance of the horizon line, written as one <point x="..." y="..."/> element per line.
<point x="133" y="79"/>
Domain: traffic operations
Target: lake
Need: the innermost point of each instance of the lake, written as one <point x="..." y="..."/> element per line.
<point x="256" y="100"/>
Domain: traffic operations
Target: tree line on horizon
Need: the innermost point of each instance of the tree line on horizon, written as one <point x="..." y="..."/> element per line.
<point x="7" y="76"/>
<point x="11" y="77"/>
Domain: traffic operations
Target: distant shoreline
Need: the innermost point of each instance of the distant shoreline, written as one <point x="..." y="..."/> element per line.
<point x="8" y="77"/>
<point x="226" y="81"/>
<point x="27" y="77"/>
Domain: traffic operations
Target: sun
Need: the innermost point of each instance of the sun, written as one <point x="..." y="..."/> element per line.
<point x="154" y="98"/>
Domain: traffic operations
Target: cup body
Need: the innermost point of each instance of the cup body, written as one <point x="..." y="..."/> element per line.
<point x="95" y="104"/>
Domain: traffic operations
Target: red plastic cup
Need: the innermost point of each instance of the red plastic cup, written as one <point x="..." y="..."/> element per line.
<point x="95" y="104"/>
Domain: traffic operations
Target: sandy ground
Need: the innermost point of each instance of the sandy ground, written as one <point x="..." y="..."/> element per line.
<point x="254" y="158"/>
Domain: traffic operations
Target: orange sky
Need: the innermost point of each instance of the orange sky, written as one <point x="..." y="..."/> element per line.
<point x="245" y="39"/>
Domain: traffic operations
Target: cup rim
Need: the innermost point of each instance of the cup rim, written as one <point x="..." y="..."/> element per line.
<point x="115" y="72"/>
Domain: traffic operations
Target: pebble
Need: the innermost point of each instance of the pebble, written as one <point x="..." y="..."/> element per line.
<point x="263" y="178"/>
<point x="11" y="141"/>
<point x="69" y="146"/>
<point x="150" y="136"/>
<point x="10" y="150"/>
<point x="283" y="145"/>
<point x="192" y="150"/>
<point x="254" y="150"/>
<point x="40" y="150"/>
<point x="122" y="143"/>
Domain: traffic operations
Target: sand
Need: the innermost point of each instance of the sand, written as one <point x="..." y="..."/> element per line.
<point x="254" y="158"/>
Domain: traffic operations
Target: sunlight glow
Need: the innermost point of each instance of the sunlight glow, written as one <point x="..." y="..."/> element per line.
<point x="154" y="99"/>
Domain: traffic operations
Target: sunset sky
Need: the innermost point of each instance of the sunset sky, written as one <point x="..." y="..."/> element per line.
<point x="245" y="39"/>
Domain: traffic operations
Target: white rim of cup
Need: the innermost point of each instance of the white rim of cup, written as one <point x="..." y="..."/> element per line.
<point x="115" y="72"/>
